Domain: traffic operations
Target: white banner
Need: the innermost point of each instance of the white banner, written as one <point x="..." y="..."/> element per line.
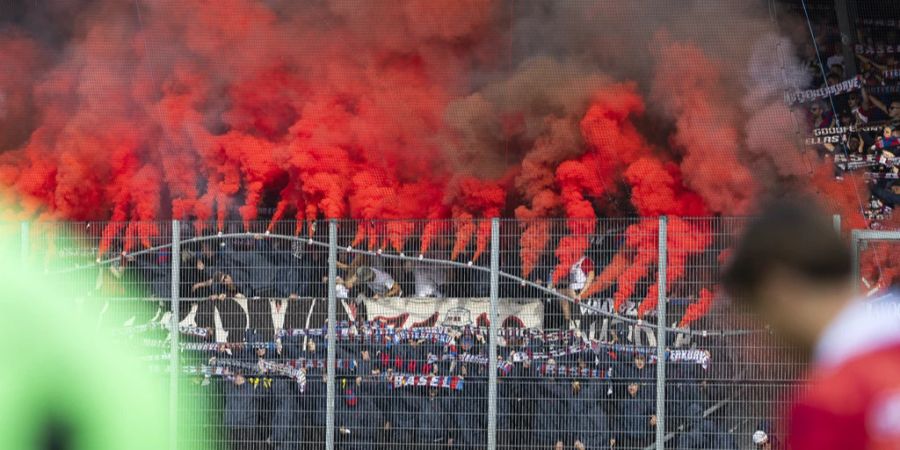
<point x="457" y="312"/>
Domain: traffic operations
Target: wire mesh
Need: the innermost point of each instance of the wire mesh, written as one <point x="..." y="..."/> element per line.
<point x="576" y="311"/>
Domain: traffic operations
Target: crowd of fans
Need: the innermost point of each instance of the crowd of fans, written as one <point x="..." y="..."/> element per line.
<point x="416" y="391"/>
<point x="859" y="130"/>
<point x="538" y="407"/>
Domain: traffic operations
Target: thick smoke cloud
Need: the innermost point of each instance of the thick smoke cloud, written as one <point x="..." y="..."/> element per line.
<point x="427" y="109"/>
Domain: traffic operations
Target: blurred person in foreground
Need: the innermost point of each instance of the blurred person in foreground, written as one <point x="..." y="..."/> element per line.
<point x="76" y="387"/>
<point x="795" y="271"/>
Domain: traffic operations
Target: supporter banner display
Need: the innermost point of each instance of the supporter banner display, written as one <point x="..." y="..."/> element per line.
<point x="848" y="85"/>
<point x="868" y="161"/>
<point x="882" y="176"/>
<point x="456" y="312"/>
<point x="881" y="90"/>
<point x="880" y="22"/>
<point x="452" y="383"/>
<point x="819" y="140"/>
<point x="820" y="132"/>
<point x="838" y="135"/>
<point x="876" y="50"/>
<point x="835" y="135"/>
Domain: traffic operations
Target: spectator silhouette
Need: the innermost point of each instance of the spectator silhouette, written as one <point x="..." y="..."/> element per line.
<point x="637" y="419"/>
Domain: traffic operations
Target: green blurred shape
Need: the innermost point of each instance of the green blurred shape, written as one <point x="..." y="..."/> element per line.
<point x="63" y="384"/>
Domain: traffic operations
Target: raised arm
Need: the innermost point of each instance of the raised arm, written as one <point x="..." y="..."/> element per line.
<point x="869" y="100"/>
<point x="867" y="60"/>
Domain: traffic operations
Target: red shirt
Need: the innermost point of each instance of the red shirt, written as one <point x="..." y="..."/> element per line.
<point x="853" y="398"/>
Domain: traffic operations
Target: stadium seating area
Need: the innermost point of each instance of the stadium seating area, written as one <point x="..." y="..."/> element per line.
<point x="253" y="313"/>
<point x="859" y="129"/>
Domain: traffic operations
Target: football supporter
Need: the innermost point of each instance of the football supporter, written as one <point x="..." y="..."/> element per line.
<point x="380" y="283"/>
<point x="794" y="270"/>
<point x="636" y="420"/>
<point x="581" y="275"/>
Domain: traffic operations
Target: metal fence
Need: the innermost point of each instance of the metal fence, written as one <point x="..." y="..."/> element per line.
<point x="594" y="333"/>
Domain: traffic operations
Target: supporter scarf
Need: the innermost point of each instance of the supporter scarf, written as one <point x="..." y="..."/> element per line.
<point x="228" y="374"/>
<point x="579" y="346"/>
<point x="290" y="365"/>
<point x="298" y="374"/>
<point x="261" y="367"/>
<point x="528" y="355"/>
<point x="882" y="90"/>
<point x="882" y="176"/>
<point x="878" y="22"/>
<point x="848" y="85"/>
<point x="443" y="335"/>
<point x="195" y="331"/>
<point x="374" y="335"/>
<point x="878" y="49"/>
<point x="446" y="382"/>
<point x="701" y="357"/>
<point x="571" y="371"/>
<point x="303" y="363"/>
<point x="215" y="346"/>
<point x="209" y="371"/>
<point x="183" y="329"/>
<point x="459" y="357"/>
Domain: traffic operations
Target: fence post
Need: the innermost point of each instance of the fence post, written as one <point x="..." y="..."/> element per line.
<point x="23" y="251"/>
<point x="661" y="335"/>
<point x="854" y="253"/>
<point x="492" y="353"/>
<point x="332" y="338"/>
<point x="174" y="356"/>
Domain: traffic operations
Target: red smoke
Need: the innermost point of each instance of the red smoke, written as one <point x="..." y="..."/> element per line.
<point x="697" y="309"/>
<point x="533" y="242"/>
<point x="410" y="109"/>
